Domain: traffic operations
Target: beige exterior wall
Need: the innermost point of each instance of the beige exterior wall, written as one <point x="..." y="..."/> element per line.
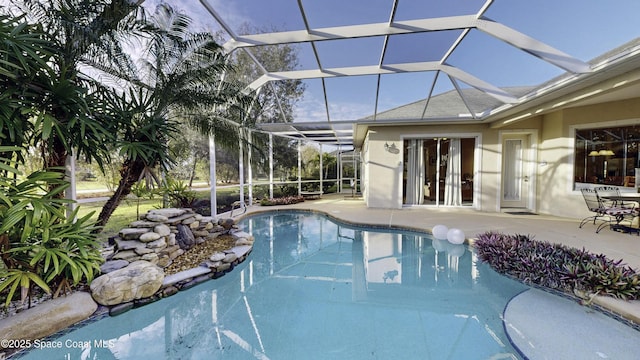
<point x="552" y="163"/>
<point x="384" y="170"/>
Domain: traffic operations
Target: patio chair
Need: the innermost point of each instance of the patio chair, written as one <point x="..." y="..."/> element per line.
<point x="604" y="191"/>
<point x="615" y="211"/>
<point x="593" y="203"/>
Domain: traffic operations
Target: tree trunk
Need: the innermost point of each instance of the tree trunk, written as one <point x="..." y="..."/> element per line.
<point x="54" y="155"/>
<point x="193" y="170"/>
<point x="130" y="174"/>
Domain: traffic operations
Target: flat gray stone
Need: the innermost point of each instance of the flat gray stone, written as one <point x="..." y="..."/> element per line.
<point x="231" y="257"/>
<point x="185" y="275"/>
<point x="217" y="256"/>
<point x="129" y="244"/>
<point x="209" y="219"/>
<point x="128" y="255"/>
<point x="152" y="258"/>
<point x="240" y="234"/>
<point x="213" y="235"/>
<point x="132" y="233"/>
<point x="49" y="317"/>
<point x="243" y="241"/>
<point x="143" y="224"/>
<point x="113" y="265"/>
<point x="160" y="243"/>
<point x="200" y="233"/>
<point x="241" y="251"/>
<point x="149" y="237"/>
<point x="143" y="251"/>
<point x="189" y="221"/>
<point x="162" y="230"/>
<point x="179" y="219"/>
<point x="157" y="218"/>
<point x="169" y="212"/>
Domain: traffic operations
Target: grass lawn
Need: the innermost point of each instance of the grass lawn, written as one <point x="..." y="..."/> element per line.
<point x="122" y="217"/>
<point x="128" y="211"/>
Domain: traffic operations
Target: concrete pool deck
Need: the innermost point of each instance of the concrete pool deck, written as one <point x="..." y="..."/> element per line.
<point x="563" y="231"/>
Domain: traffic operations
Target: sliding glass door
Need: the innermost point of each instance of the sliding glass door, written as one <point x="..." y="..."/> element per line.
<point x="439" y="171"/>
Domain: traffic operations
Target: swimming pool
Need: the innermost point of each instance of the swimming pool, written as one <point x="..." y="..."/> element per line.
<point x="314" y="288"/>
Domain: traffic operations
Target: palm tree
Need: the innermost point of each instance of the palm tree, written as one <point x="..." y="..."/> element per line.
<point x="24" y="56"/>
<point x="180" y="75"/>
<point x="34" y="232"/>
<point x="77" y="30"/>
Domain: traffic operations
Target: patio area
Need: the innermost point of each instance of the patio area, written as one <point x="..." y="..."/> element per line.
<point x="544" y="228"/>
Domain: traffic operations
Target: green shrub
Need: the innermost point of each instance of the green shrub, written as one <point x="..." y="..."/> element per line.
<point x="282" y="201"/>
<point x="179" y="193"/>
<point x="39" y="244"/>
<point x="557" y="267"/>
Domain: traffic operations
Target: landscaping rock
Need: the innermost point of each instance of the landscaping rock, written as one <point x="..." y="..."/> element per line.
<point x="48" y="317"/>
<point x="169" y="290"/>
<point x="128" y="255"/>
<point x="163" y="236"/>
<point x="138" y="280"/>
<point x="157" y="218"/>
<point x="171" y="240"/>
<point x="143" y="224"/>
<point x="200" y="233"/>
<point x="158" y="244"/>
<point x="226" y="224"/>
<point x="243" y="241"/>
<point x="149" y="237"/>
<point x="231" y="257"/>
<point x="185" y="237"/>
<point x="164" y="261"/>
<point x="213" y="236"/>
<point x="168" y="213"/>
<point x="185" y="275"/>
<point x="189" y="221"/>
<point x="218" y="256"/>
<point x="132" y="233"/>
<point x="122" y="244"/>
<point x="176" y="253"/>
<point x="180" y="219"/>
<point x="113" y="265"/>
<point x="143" y="250"/>
<point x="121" y="308"/>
<point x="242" y="250"/>
<point x="162" y="230"/>
<point x="152" y="258"/>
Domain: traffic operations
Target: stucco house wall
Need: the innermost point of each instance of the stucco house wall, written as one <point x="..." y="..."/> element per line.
<point x="553" y="160"/>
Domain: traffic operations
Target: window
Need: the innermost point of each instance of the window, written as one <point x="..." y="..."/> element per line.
<point x="607" y="156"/>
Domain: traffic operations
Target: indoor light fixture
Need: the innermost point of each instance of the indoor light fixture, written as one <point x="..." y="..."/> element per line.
<point x="602" y="152"/>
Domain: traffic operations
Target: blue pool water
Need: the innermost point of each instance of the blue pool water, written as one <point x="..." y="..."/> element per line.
<point x="316" y="289"/>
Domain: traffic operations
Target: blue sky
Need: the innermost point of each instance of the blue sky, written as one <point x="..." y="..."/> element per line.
<point x="581" y="28"/>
